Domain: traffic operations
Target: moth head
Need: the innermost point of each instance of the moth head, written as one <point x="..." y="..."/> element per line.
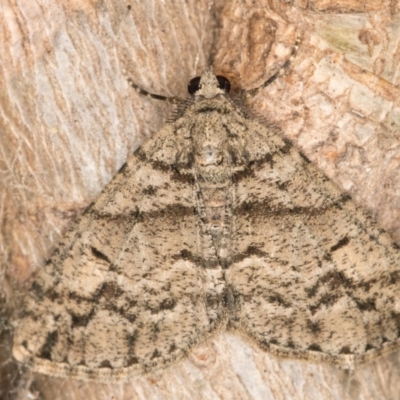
<point x="208" y="85"/>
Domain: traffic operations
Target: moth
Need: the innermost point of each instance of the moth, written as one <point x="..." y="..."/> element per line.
<point x="216" y="223"/>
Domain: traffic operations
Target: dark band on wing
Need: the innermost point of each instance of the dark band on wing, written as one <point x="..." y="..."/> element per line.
<point x="263" y="208"/>
<point x="170" y="210"/>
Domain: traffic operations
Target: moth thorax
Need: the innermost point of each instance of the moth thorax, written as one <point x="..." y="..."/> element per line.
<point x="216" y="175"/>
<point x="209" y="155"/>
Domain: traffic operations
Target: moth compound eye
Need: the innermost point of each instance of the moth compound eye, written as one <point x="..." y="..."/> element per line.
<point x="193" y="85"/>
<point x="223" y="83"/>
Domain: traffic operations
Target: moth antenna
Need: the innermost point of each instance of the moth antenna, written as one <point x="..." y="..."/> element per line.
<point x="281" y="71"/>
<point x="179" y="109"/>
<point x="172" y="100"/>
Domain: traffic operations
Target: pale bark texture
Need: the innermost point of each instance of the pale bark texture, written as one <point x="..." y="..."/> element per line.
<point x="68" y="121"/>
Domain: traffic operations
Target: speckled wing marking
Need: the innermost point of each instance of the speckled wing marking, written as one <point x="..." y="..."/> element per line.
<point x="313" y="277"/>
<point x="126" y="291"/>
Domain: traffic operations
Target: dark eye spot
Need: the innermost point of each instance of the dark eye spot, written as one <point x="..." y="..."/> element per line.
<point x="223" y="83"/>
<point x="193" y="85"/>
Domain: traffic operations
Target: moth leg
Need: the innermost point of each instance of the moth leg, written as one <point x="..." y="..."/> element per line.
<point x="281" y="71"/>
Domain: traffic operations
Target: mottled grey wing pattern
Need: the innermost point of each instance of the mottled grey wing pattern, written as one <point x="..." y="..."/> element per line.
<point x="124" y="293"/>
<point x="313" y="277"/>
<point x="216" y="221"/>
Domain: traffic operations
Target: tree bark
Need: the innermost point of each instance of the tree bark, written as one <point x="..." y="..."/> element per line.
<point x="69" y="120"/>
